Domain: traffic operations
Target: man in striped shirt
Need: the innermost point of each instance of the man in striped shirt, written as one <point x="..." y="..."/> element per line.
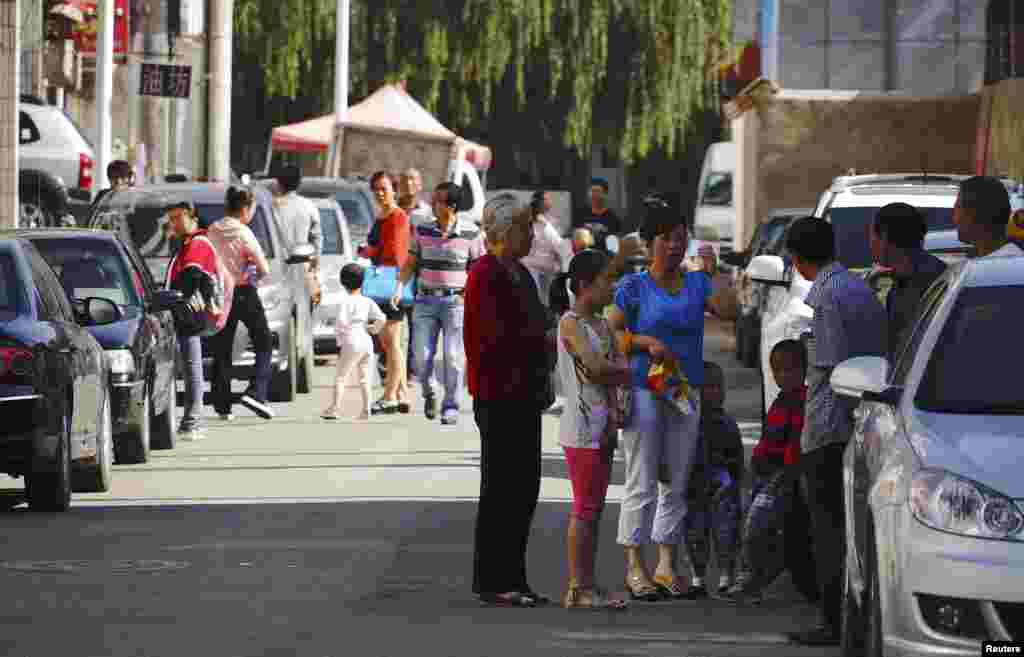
<point x="441" y="253"/>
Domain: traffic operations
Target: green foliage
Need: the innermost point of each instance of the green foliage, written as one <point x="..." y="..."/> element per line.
<point x="652" y="54"/>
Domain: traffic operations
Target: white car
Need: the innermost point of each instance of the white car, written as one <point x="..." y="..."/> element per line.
<point x="52" y="154"/>
<point x="337" y="253"/>
<point x="934" y="495"/>
<point x="850" y="205"/>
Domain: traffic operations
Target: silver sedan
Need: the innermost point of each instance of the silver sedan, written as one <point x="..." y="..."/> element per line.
<point x="934" y="492"/>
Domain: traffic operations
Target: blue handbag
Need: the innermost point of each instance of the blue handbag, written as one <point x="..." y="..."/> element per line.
<point x="379" y="285"/>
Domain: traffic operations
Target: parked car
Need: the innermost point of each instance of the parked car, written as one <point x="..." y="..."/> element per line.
<point x="141" y="347"/>
<point x="934" y="517"/>
<point x="53" y="383"/>
<point x="139" y="216"/>
<point x="354" y="197"/>
<point x="337" y="253"/>
<point x="55" y="165"/>
<point x="768" y="239"/>
<point x="850" y="204"/>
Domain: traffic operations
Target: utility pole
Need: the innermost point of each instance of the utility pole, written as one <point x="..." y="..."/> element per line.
<point x="104" y="91"/>
<point x="218" y="152"/>
<point x="340" y="85"/>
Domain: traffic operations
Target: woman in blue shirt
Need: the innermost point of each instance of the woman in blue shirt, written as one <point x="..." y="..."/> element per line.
<point x="659" y="316"/>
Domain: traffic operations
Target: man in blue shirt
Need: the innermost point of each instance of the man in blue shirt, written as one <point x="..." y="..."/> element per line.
<point x="849" y="321"/>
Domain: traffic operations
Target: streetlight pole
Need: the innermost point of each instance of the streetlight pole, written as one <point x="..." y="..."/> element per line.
<point x="340" y="83"/>
<point x="104" y="91"/>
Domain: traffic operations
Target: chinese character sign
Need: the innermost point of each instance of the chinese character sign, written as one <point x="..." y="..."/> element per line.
<point x="165" y="81"/>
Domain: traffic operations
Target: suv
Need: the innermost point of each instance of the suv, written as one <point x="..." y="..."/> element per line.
<point x="850" y="205"/>
<point x="139" y="214"/>
<point x="55" y="165"/>
<point x="354" y="197"/>
<point x="768" y="239"/>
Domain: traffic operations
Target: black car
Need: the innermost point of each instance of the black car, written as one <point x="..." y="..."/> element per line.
<point x="140" y="347"/>
<point x="768" y="239"/>
<point x="53" y="383"/>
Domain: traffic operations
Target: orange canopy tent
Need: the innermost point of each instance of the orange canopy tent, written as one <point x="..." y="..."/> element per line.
<point x="389" y="108"/>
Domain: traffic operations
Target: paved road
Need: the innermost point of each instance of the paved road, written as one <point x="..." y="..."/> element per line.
<point x="303" y="537"/>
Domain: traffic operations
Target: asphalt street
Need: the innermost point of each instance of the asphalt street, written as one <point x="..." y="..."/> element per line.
<point x="300" y="536"/>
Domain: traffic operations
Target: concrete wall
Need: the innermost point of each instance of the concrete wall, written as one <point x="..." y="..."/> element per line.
<point x="1004" y="123"/>
<point x="801" y="140"/>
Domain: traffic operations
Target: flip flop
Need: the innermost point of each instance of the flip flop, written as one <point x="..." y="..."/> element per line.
<point x="593" y="600"/>
<point x="641" y="590"/>
<point x="669" y="587"/>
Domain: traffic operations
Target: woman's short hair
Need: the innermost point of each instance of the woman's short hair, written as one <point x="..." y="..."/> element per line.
<point x="500" y="213"/>
<point x="812" y="239"/>
<point x="382" y="174"/>
<point x="585" y="267"/>
<point x="352" y="276"/>
<point x="237" y="197"/>
<point x="659" y="219"/>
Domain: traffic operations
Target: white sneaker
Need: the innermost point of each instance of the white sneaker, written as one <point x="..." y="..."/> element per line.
<point x="227" y="417"/>
<point x="450" y="416"/>
<point x="259" y="408"/>
<point x="191" y="435"/>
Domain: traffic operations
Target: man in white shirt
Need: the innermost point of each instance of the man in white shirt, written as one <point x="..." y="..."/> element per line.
<point x="301" y="222"/>
<point x="981" y="214"/>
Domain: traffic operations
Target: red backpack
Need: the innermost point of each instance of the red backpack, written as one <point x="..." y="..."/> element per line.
<point x="213" y="315"/>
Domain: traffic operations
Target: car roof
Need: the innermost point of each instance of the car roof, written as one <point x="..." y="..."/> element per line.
<point x="203" y="193"/>
<point x="874" y="196"/>
<point x="59" y="233"/>
<point x="840" y="183"/>
<point x="993" y="271"/>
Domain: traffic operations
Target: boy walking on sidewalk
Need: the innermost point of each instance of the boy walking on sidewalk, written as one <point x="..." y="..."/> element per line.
<point x="714" y="487"/>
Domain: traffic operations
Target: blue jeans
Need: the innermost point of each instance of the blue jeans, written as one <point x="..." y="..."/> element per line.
<point x="191" y="349"/>
<point x="430" y="315"/>
<point x="718" y="513"/>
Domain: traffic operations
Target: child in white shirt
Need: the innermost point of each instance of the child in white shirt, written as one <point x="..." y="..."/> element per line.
<point x="358" y="318"/>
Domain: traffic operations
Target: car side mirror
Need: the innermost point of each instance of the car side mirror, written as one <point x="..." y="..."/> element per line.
<point x="301" y="254"/>
<point x="768" y="269"/>
<point x="864" y="378"/>
<point x="165" y="300"/>
<point x="101" y="311"/>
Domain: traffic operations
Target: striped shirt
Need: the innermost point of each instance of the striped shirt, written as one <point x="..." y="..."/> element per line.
<point x="443" y="259"/>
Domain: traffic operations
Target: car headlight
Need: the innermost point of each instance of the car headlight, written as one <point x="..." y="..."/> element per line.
<point x="121" y="362"/>
<point x="271" y="297"/>
<point x="947" y="502"/>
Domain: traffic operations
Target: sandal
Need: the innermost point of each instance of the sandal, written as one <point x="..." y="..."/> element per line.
<point x="669" y="587"/>
<point x="642" y="590"/>
<point x="539" y="598"/>
<point x="593" y="599"/>
<point x="511" y="599"/>
<point x="330" y="413"/>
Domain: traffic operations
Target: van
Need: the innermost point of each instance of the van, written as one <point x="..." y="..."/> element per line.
<point x="715" y="211"/>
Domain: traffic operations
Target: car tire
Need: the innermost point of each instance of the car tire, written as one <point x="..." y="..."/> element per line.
<point x="51" y="491"/>
<point x="133" y="447"/>
<point x="851" y="626"/>
<point x="165" y="425"/>
<point x="284" y="384"/>
<point x="872" y="609"/>
<point x="96" y="478"/>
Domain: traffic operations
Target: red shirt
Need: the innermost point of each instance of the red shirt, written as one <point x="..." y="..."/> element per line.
<point x="393" y="248"/>
<point x="504" y="333"/>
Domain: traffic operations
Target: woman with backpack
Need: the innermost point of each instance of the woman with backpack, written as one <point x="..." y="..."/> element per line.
<point x="193" y="272"/>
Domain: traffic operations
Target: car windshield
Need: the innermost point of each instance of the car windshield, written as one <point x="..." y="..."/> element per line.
<point x="333" y="238"/>
<point x="851" y="226"/>
<point x="94" y="268"/>
<point x="717" y="189"/>
<point x="358" y="214"/>
<point x="9" y="286"/>
<point x="975" y="366"/>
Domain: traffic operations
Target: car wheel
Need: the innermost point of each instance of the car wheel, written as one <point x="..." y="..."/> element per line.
<point x="165" y="425"/>
<point x="33" y="214"/>
<point x="51" y="491"/>
<point x="872" y="609"/>
<point x="96" y="478"/>
<point x="133" y="447"/>
<point x="284" y="384"/>
<point x="851" y="627"/>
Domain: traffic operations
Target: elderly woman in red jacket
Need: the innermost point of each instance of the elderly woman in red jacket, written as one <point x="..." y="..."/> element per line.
<point x="508" y="356"/>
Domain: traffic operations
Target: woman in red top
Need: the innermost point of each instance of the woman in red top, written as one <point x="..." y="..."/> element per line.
<point x="505" y="334"/>
<point x="388" y="246"/>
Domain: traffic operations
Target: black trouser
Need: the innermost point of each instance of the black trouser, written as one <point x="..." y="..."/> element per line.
<point x="823" y="482"/>
<point x="509" y="485"/>
<point x="247" y="308"/>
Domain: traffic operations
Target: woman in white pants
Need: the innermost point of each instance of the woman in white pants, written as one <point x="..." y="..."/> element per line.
<point x="659" y="315"/>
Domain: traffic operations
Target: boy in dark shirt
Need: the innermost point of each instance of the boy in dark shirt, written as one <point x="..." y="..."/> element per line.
<point x="713" y="494"/>
<point x="773" y="465"/>
<point x="598" y="218"/>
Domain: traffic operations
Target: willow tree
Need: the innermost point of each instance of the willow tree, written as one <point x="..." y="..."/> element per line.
<point x="651" y="54"/>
